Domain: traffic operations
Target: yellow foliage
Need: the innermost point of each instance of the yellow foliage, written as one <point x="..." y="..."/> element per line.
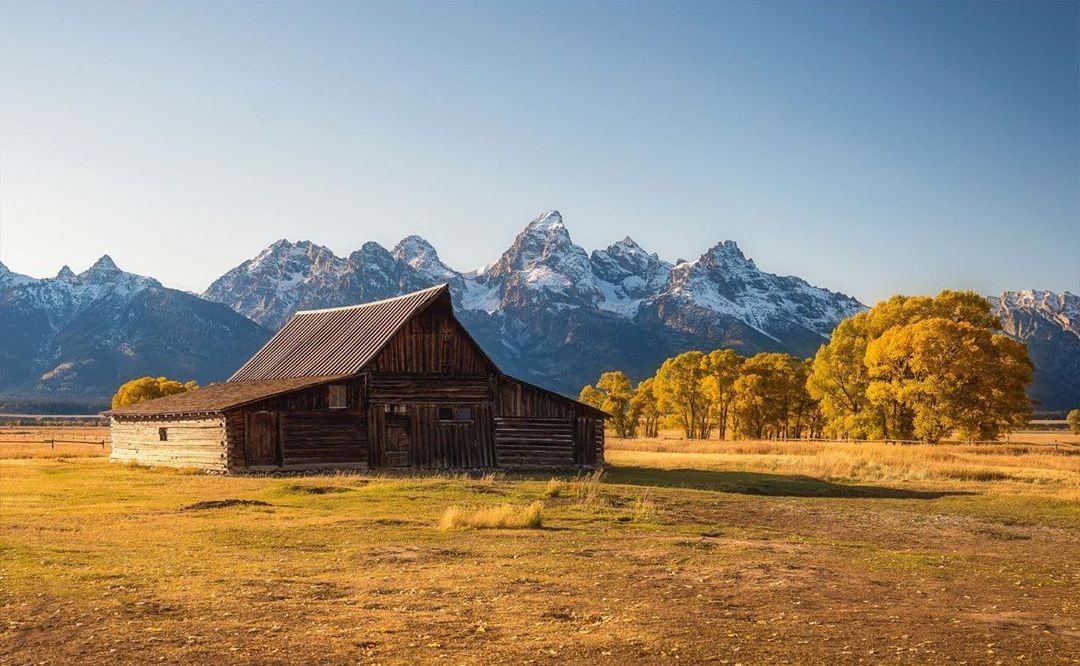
<point x="148" y="388"/>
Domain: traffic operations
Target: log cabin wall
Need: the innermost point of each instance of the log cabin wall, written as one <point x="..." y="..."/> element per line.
<point x="309" y="432"/>
<point x="537" y="428"/>
<point x="193" y="442"/>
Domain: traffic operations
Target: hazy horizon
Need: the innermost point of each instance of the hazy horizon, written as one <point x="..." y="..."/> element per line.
<point x="869" y="149"/>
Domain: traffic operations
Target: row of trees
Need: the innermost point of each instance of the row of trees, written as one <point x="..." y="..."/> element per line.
<point x="909" y="368"/>
<point x="761" y="396"/>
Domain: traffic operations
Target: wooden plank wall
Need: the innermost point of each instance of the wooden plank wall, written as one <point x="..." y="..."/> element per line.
<point x="449" y="389"/>
<point x="197" y="442"/>
<point x="599" y="442"/>
<point x="449" y="445"/>
<point x="323" y="438"/>
<point x="432" y="343"/>
<point x="534" y="442"/>
<point x="312" y="400"/>
<point x="537" y="428"/>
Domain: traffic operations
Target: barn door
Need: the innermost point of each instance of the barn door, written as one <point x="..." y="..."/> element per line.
<point x="584" y="441"/>
<point x="262" y="438"/>
<point x="396" y="441"/>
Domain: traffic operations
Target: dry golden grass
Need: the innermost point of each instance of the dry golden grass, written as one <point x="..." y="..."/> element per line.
<point x="553" y="488"/>
<point x="1049" y="466"/>
<point x="910" y="555"/>
<point x="588" y="489"/>
<point x="503" y="517"/>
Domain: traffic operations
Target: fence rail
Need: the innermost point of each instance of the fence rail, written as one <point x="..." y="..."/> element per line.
<point x="53" y="442"/>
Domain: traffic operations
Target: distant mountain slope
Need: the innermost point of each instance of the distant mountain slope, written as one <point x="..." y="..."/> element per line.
<point x="1050" y="325"/>
<point x="551" y="312"/>
<point x="77" y="337"/>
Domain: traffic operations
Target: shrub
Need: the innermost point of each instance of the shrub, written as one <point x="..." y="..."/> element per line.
<point x="502" y="516"/>
<point x="644" y="509"/>
<point x="588" y="489"/>
<point x="553" y="488"/>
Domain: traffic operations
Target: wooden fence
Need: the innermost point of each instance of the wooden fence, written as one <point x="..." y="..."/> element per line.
<point x="52" y="442"/>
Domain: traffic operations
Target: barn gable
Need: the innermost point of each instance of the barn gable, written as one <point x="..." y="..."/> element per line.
<point x="416" y="332"/>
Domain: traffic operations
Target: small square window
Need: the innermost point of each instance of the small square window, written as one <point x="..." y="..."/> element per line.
<point x="163" y="434"/>
<point x="394" y="409"/>
<point x="337" y="397"/>
<point x="455" y="414"/>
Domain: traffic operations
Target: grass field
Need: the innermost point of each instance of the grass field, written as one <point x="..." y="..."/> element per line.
<point x="741" y="552"/>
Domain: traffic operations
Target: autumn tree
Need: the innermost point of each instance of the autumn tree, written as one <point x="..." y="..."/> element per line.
<point x="895" y="400"/>
<point x="645" y="409"/>
<point x="1073" y="420"/>
<point x="769" y="391"/>
<point x="613" y="394"/>
<point x="148" y="388"/>
<point x="720" y="369"/>
<point x="679" y="391"/>
<point x="951" y="376"/>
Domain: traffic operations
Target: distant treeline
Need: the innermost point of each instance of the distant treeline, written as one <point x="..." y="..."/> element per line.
<point x="37" y="405"/>
<point x="909" y="368"/>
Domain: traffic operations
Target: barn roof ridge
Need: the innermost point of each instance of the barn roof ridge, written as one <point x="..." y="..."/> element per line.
<point x="357" y="306"/>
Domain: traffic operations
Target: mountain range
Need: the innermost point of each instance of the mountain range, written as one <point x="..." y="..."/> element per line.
<point x="551" y="312"/>
<point x="546" y="310"/>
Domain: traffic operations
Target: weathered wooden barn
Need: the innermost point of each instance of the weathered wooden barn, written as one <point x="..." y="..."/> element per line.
<point x="397" y="383"/>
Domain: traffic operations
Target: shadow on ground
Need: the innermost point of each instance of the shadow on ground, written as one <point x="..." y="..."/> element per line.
<point x="754" y="483"/>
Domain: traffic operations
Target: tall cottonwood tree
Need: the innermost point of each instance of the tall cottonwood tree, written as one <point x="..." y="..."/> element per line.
<point x="645" y="408"/>
<point x="770" y="395"/>
<point x="720" y="369"/>
<point x="613" y="394"/>
<point x="679" y="391"/>
<point x="840" y="378"/>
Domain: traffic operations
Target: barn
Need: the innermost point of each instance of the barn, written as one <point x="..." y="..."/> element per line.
<point x="397" y="383"/>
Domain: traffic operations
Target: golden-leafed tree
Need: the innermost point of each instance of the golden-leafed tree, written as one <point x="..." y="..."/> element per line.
<point x="1073" y="419"/>
<point x="770" y="395"/>
<point x="679" y="391"/>
<point x="720" y="369"/>
<point x="645" y="409"/>
<point x="613" y="394"/>
<point x="148" y="388"/>
<point x="950" y="376"/>
<point x="839" y="377"/>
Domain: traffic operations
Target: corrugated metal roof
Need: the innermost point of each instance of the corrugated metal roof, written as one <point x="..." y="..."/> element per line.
<point x="217" y="397"/>
<point x="337" y="341"/>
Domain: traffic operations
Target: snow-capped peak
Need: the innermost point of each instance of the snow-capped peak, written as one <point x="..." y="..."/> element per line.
<point x="65" y="273"/>
<point x="9" y="278"/>
<point x="546" y="222"/>
<point x="421" y="255"/>
<point x="544" y="260"/>
<point x="1063" y="308"/>
<point x="103" y="265"/>
<point x="106" y="274"/>
<point x="727" y="252"/>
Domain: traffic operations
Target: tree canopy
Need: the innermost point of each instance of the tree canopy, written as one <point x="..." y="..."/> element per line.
<point x="148" y="388"/>
<point x="910" y="367"/>
<point x="922" y="367"/>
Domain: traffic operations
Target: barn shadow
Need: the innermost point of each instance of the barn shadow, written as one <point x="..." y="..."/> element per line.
<point x="756" y="483"/>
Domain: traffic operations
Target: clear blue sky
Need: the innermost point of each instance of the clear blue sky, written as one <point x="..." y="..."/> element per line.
<point x="871" y="148"/>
